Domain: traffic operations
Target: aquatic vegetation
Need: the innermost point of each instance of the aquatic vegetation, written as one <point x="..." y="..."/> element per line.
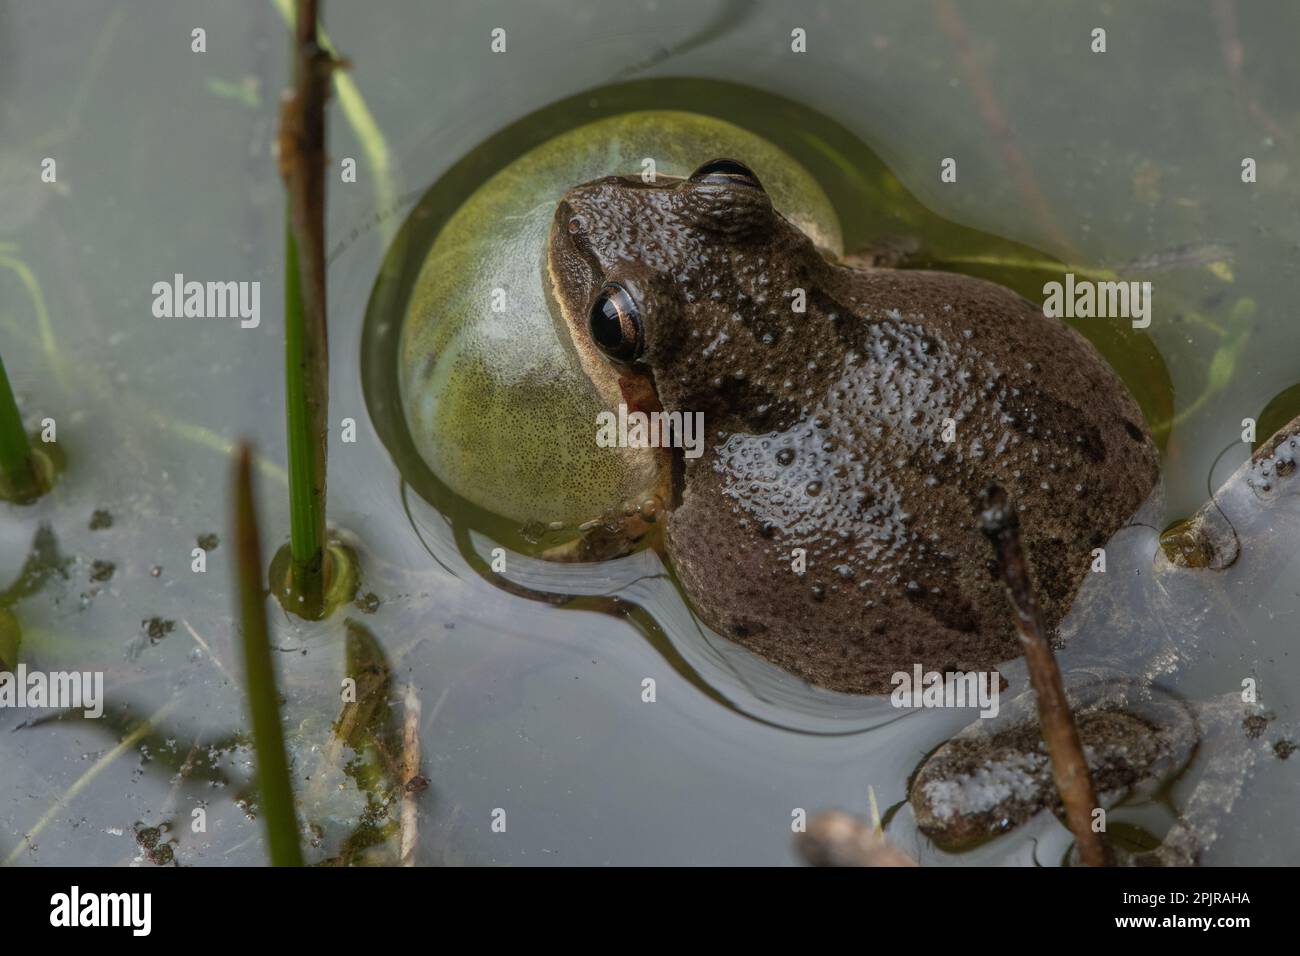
<point x="306" y="333"/>
<point x="275" y="793"/>
<point x="20" y="475"/>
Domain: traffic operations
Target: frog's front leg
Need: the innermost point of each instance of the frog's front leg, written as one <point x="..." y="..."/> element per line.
<point x="995" y="775"/>
<point x="604" y="539"/>
<point x="617" y="534"/>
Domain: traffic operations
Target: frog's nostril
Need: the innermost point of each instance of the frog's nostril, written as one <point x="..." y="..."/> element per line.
<point x="566" y="214"/>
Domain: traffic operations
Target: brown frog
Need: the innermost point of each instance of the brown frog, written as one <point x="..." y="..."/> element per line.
<point x="853" y="415"/>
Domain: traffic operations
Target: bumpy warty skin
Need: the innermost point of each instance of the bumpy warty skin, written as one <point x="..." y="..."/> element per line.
<point x="826" y="432"/>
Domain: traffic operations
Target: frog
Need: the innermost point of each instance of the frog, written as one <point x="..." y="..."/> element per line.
<point x="859" y="433"/>
<point x="853" y="415"/>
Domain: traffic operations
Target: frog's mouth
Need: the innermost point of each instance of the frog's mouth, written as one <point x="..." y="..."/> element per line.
<point x="637" y="388"/>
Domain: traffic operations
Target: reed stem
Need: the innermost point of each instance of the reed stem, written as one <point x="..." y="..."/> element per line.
<point x="306" y="444"/>
<point x="306" y="339"/>
<point x="274" y="788"/>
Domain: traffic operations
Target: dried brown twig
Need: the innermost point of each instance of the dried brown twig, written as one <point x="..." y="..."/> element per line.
<point x="1001" y="524"/>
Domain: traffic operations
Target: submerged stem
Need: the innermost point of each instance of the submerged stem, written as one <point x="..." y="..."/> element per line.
<point x="130" y="740"/>
<point x="9" y="259"/>
<point x="276" y="792"/>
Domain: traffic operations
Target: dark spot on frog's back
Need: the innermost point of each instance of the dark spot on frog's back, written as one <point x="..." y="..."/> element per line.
<point x="951" y="610"/>
<point x="759" y="409"/>
<point x="745" y="628"/>
<point x="1031" y="411"/>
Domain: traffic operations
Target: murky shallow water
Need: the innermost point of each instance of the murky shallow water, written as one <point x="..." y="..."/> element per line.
<point x="528" y="707"/>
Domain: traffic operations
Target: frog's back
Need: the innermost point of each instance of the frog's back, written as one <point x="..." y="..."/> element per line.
<point x="937" y="386"/>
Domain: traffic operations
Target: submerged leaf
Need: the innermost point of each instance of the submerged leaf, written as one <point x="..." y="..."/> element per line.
<point x="43" y="561"/>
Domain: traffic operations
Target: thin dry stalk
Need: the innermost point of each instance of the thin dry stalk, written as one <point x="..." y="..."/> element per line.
<point x="1001" y="524"/>
<point x="410" y="811"/>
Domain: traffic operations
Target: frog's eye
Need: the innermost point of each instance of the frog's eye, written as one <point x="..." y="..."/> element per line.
<point x="728" y="172"/>
<point x="615" y="323"/>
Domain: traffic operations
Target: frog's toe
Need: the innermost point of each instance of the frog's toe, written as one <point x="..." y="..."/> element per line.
<point x="1242" y="508"/>
<point x="1272" y="471"/>
<point x="602" y="541"/>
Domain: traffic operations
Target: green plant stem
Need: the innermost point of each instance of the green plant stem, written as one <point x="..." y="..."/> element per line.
<point x="306" y="452"/>
<point x="302" y="165"/>
<point x="276" y="793"/>
<point x="16" y="464"/>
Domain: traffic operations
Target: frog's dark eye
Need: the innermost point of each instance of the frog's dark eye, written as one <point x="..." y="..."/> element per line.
<point x="727" y="172"/>
<point x="615" y="323"/>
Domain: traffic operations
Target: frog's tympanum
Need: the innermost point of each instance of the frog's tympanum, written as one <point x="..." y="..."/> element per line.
<point x="852" y="416"/>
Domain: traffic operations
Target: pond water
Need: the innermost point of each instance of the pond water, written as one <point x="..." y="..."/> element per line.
<point x="528" y="705"/>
